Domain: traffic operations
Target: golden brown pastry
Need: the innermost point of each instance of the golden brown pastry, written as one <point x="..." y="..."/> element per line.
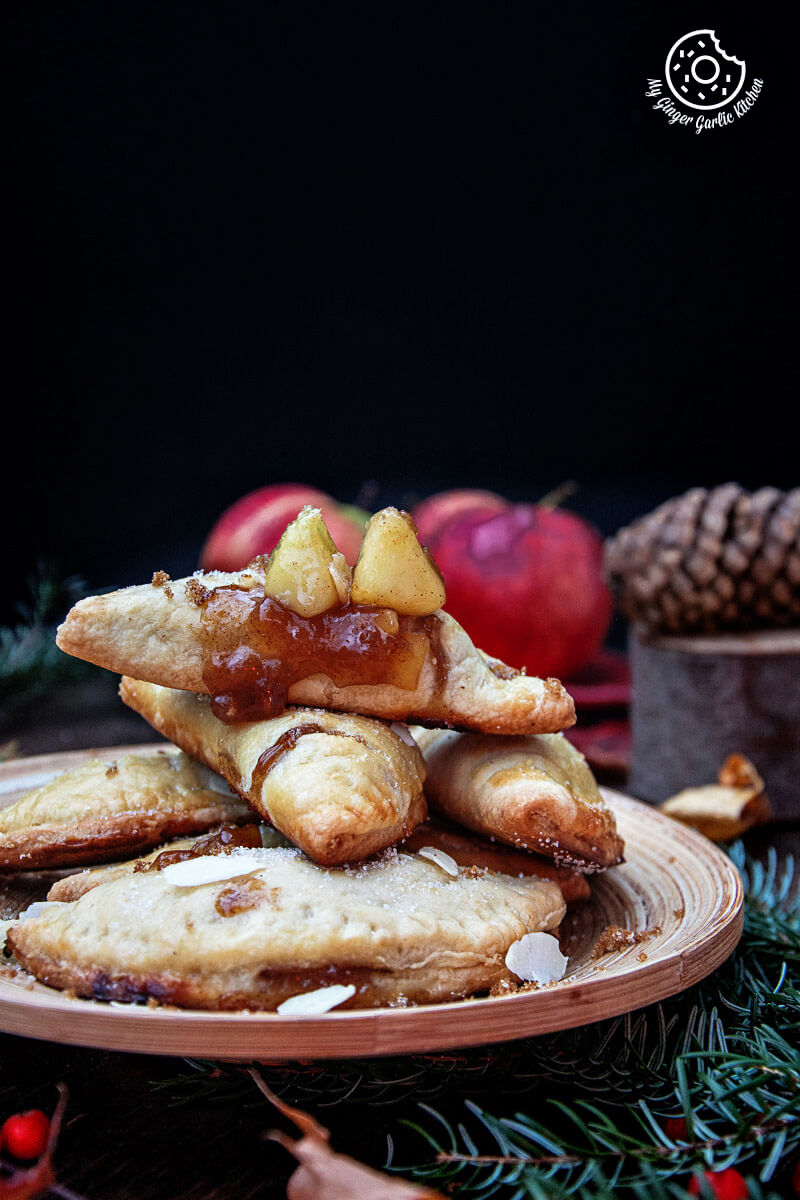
<point x="464" y="848"/>
<point x="219" y="841"/>
<point x="103" y="810"/>
<point x="396" y="930"/>
<point x="468" y="850"/>
<point x="340" y="787"/>
<point x="536" y="792"/>
<point x="218" y="633"/>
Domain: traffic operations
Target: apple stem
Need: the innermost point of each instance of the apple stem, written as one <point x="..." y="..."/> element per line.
<point x="558" y="495"/>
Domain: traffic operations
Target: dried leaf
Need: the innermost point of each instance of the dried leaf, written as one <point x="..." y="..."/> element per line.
<point x="738" y="772"/>
<point x="727" y="808"/>
<point x="24" y="1183"/>
<point x="325" y="1175"/>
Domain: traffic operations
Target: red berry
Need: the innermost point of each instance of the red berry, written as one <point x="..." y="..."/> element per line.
<point x="724" y="1185"/>
<point x="25" y="1134"/>
<point x="676" y="1129"/>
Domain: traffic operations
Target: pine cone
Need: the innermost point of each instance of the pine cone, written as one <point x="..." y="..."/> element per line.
<point x="709" y="561"/>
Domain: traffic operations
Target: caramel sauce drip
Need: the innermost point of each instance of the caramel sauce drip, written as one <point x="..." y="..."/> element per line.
<point x="243" y="895"/>
<point x="255" y="649"/>
<point x="227" y="837"/>
<point x="286" y="742"/>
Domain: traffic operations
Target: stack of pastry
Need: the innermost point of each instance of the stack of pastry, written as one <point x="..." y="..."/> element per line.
<point x="315" y="715"/>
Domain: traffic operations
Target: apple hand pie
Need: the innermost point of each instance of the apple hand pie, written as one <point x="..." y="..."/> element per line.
<point x="256" y="927"/>
<point x="222" y="635"/>
<point x="103" y="810"/>
<point x="340" y="787"/>
<point x="533" y="792"/>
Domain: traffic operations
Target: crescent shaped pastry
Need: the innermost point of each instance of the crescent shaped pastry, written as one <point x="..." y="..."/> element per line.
<point x="341" y="787"/>
<point x="104" y="810"/>
<point x="537" y="793"/>
<point x="397" y="930"/>
<point x="219" y="634"/>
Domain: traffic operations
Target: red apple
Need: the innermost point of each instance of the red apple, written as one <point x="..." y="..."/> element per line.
<point x="254" y="523"/>
<point x="432" y="514"/>
<point x="527" y="584"/>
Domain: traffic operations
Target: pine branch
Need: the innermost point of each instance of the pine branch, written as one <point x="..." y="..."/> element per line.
<point x="732" y="1072"/>
<point x="30" y="661"/>
<point x="642" y="1152"/>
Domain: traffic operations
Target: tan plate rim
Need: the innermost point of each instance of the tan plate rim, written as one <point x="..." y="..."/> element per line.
<point x="52" y="1016"/>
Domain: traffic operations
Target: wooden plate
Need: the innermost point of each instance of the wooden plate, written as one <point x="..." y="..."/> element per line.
<point x="676" y="890"/>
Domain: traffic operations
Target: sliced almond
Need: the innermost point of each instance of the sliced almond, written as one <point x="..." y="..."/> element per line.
<point x="536" y="958"/>
<point x="442" y="859"/>
<point x="210" y="868"/>
<point x="321" y="1000"/>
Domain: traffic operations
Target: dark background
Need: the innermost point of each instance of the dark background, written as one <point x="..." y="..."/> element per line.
<point x="383" y="251"/>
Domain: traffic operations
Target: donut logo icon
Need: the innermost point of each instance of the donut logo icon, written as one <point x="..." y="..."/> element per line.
<point x="700" y="74"/>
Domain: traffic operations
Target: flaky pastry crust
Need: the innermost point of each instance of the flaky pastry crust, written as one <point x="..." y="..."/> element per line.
<point x="72" y="887"/>
<point x="155" y="632"/>
<point x="536" y="792"/>
<point x="341" y="787"/>
<point x="399" y="929"/>
<point x="104" y="810"/>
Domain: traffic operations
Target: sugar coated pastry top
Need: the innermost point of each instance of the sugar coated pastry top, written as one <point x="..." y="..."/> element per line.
<point x="398" y="927"/>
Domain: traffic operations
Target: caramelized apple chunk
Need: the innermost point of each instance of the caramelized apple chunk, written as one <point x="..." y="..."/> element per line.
<point x="305" y="571"/>
<point x="394" y="570"/>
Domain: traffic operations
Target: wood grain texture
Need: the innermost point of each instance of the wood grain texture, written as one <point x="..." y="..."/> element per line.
<point x="696" y="700"/>
<point x="677" y="891"/>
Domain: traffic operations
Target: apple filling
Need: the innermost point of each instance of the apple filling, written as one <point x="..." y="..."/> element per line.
<point x="256" y="648"/>
<point x="306" y="615"/>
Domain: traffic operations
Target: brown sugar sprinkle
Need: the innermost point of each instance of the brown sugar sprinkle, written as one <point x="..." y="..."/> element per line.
<point x="10" y="970"/>
<point x="510" y="987"/>
<point x="161" y="579"/>
<point x="614" y="937"/>
<point x="111" y="770"/>
<point x="503" y="987"/>
<point x="197" y="592"/>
